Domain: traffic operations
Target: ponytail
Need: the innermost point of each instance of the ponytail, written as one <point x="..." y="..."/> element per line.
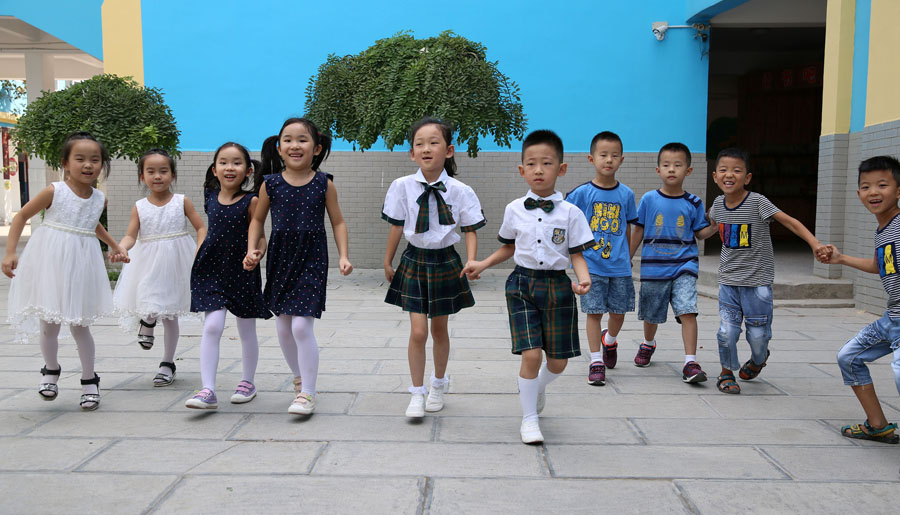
<point x="271" y="159"/>
<point x="251" y="183"/>
<point x="320" y="139"/>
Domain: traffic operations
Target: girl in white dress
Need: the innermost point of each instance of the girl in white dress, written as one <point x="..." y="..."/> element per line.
<point x="155" y="283"/>
<point x="61" y="278"/>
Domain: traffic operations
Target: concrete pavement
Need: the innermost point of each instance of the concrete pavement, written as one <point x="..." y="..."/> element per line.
<point x="645" y="442"/>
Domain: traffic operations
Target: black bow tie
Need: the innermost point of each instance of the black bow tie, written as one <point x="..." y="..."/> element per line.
<point x="445" y="217"/>
<point x="546" y="205"/>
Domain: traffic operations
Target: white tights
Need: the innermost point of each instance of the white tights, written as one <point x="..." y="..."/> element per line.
<point x="49" y="340"/>
<point x="213" y="326"/>
<point x="300" y="348"/>
<point x="171" y="332"/>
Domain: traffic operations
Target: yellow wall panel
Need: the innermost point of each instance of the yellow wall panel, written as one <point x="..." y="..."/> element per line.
<point x="882" y="99"/>
<point x="123" y="45"/>
<point x="838" y="72"/>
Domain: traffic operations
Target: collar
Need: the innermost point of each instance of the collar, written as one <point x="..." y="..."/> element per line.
<point x="419" y="177"/>
<point x="556" y="197"/>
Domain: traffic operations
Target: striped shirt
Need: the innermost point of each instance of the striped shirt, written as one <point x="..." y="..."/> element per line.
<point x="747" y="258"/>
<point x="669" y="248"/>
<point x="886" y="240"/>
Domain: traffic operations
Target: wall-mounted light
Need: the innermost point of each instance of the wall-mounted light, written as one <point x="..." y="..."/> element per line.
<point x="659" y="29"/>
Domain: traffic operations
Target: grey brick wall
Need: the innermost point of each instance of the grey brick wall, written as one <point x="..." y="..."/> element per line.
<point x="832" y="192"/>
<point x="362" y="180"/>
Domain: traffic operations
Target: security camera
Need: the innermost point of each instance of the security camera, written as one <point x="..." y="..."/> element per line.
<point x="659" y="29"/>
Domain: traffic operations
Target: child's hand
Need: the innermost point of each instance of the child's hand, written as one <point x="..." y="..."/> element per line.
<point x="252" y="259"/>
<point x="345" y="266"/>
<point x="388" y="272"/>
<point x="827" y="254"/>
<point x="10" y="262"/>
<point x="473" y="270"/>
<point x="582" y="287"/>
<point x="119" y="255"/>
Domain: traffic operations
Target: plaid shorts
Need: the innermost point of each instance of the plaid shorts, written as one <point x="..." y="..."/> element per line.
<point x="427" y="281"/>
<point x="542" y="312"/>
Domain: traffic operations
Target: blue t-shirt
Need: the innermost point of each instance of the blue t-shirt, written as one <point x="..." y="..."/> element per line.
<point x="669" y="247"/>
<point x="608" y="212"/>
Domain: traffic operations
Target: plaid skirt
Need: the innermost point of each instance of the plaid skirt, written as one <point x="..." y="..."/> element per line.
<point x="427" y="281"/>
<point x="542" y="312"/>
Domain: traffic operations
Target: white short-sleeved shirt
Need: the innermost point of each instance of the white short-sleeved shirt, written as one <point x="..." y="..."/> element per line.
<point x="544" y="240"/>
<point x="400" y="208"/>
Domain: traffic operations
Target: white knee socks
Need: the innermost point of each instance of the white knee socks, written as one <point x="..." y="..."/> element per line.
<point x="528" y="394"/>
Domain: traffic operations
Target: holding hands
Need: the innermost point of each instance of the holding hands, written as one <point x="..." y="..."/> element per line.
<point x="252" y="259"/>
<point x="473" y="270"/>
<point x="827" y="254"/>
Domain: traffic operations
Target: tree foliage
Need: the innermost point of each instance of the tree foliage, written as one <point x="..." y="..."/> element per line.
<point x="11" y="92"/>
<point x="126" y="117"/>
<point x="384" y="89"/>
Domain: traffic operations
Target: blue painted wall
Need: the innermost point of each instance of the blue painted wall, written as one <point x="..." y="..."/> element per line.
<point x="78" y="23"/>
<point x="858" y="87"/>
<point x="234" y="70"/>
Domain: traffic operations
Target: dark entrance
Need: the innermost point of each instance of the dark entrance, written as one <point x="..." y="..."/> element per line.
<point x="765" y="96"/>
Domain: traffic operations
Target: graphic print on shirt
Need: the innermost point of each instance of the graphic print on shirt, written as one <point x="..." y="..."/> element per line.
<point x="887" y="259"/>
<point x="735" y="236"/>
<point x="605" y="220"/>
<point x="664" y="245"/>
<point x="559" y="235"/>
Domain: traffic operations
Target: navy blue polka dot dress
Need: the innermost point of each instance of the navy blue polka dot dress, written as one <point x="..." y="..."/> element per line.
<point x="218" y="278"/>
<point x="297" y="266"/>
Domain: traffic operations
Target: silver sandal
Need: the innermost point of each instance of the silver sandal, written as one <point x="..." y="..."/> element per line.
<point x="49" y="391"/>
<point x="163" y="379"/>
<point x="90" y="401"/>
<point x="146" y="340"/>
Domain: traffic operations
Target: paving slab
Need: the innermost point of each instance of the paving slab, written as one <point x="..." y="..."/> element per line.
<point x="46" y="454"/>
<point x="555" y="429"/>
<point x="296" y="494"/>
<point x="100" y="424"/>
<point x="655" y="461"/>
<point x="322" y="427"/>
<point x="765" y="498"/>
<point x="430" y="459"/>
<point x="477" y="496"/>
<point x="155" y="456"/>
<point x="737" y="432"/>
<point x="836" y="464"/>
<point x="786" y="407"/>
<point x="66" y="493"/>
<point x="13" y="423"/>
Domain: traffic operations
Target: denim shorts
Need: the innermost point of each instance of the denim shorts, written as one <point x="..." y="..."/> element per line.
<point x="656" y="296"/>
<point x="880" y="338"/>
<point x="608" y="295"/>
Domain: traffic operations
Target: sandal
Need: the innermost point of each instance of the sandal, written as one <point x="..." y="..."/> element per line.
<point x="146" y="340"/>
<point x="90" y="401"/>
<point x="864" y="431"/>
<point x="49" y="391"/>
<point x="163" y="379"/>
<point x="726" y="384"/>
<point x="746" y="373"/>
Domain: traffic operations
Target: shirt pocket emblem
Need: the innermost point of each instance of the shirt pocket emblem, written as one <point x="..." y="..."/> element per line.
<point x="559" y="236"/>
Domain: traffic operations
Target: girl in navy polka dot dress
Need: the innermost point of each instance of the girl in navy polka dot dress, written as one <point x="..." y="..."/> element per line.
<point x="297" y="267"/>
<point x="218" y="279"/>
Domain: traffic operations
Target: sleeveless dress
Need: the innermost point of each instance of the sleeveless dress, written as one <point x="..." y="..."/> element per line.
<point x="297" y="265"/>
<point x="156" y="283"/>
<point x="218" y="278"/>
<point x="61" y="277"/>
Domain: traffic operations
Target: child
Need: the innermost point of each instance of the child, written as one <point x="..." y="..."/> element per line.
<point x="669" y="258"/>
<point x="156" y="282"/>
<point x="879" y="190"/>
<point x="746" y="266"/>
<point x="542" y="232"/>
<point x="297" y="267"/>
<point x="609" y="207"/>
<point x="62" y="278"/>
<point x="425" y="208"/>
<point x="218" y="279"/>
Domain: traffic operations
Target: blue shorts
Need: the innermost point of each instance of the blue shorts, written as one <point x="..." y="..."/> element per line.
<point x="880" y="338"/>
<point x="608" y="295"/>
<point x="656" y="296"/>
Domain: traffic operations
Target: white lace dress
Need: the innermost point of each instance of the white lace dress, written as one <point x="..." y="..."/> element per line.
<point x="61" y="277"/>
<point x="157" y="281"/>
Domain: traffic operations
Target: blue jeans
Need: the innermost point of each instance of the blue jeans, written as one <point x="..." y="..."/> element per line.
<point x="880" y="338"/>
<point x="753" y="306"/>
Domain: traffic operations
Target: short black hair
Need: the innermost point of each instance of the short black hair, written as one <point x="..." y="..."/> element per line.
<point x="156" y="152"/>
<point x="879" y="163"/>
<point x="607" y="136"/>
<point x="543" y="136"/>
<point x="736" y="153"/>
<point x="67" y="145"/>
<point x="675" y="147"/>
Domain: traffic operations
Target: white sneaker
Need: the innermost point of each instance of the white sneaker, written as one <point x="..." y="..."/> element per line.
<point x="541" y="400"/>
<point x="435" y="400"/>
<point x="416" y="407"/>
<point x="304" y="404"/>
<point x="531" y="431"/>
